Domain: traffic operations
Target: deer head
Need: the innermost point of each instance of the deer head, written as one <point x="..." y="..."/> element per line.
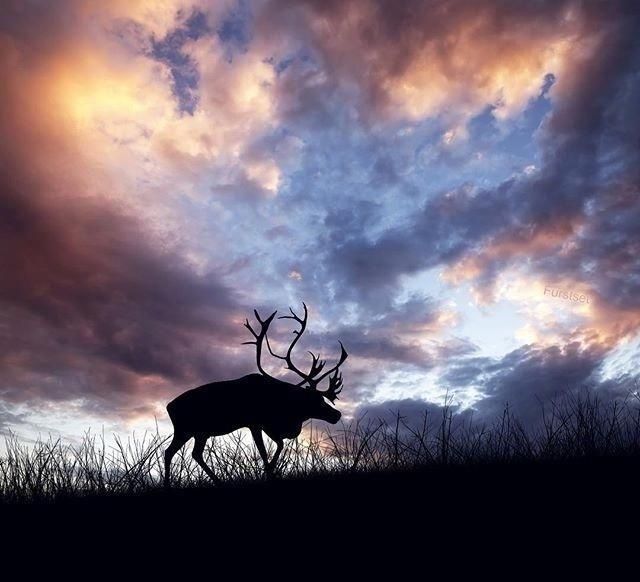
<point x="315" y="375"/>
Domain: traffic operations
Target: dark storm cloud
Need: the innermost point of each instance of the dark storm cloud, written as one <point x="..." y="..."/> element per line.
<point x="409" y="411"/>
<point x="91" y="307"/>
<point x="411" y="416"/>
<point x="466" y="372"/>
<point x="54" y="25"/>
<point x="525" y="381"/>
<point x="528" y="377"/>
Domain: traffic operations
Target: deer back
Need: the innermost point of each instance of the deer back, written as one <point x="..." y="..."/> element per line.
<point x="253" y="400"/>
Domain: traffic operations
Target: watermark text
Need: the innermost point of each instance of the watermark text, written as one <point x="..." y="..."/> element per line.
<point x="567" y="295"/>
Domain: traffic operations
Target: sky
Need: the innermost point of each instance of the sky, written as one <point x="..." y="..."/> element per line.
<point x="451" y="186"/>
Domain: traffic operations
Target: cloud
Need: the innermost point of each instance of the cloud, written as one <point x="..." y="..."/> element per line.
<point x="528" y="378"/>
<point x="164" y="165"/>
<point x="215" y="144"/>
<point x="94" y="308"/>
<point x="410" y="412"/>
<point x="9" y="419"/>
<point x="555" y="216"/>
<point x="568" y="220"/>
<point x="97" y="305"/>
<point x="415" y="59"/>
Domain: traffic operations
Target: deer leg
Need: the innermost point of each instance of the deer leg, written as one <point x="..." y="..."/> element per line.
<point x="176" y="444"/>
<point x="198" y="449"/>
<point x="276" y="455"/>
<point x="257" y="437"/>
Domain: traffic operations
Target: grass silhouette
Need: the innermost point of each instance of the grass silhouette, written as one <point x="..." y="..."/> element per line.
<point x="371" y="494"/>
<point x="577" y="429"/>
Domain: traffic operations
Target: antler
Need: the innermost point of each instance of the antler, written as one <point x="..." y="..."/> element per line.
<point x="260" y="336"/>
<point x="317" y="365"/>
<point x="343" y="356"/>
<point x="298" y="333"/>
<point x="335" y="386"/>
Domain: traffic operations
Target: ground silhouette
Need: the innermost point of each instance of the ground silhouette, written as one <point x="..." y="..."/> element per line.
<point x="449" y="517"/>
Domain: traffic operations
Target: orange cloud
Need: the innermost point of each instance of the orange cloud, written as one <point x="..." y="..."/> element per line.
<point x="413" y="60"/>
<point x="548" y="238"/>
<point x="113" y="107"/>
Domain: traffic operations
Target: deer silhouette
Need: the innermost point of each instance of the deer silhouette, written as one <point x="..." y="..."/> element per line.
<point x="258" y="402"/>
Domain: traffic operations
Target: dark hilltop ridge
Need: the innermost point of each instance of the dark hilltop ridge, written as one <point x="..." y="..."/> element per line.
<point x="443" y="484"/>
<point x="371" y="520"/>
